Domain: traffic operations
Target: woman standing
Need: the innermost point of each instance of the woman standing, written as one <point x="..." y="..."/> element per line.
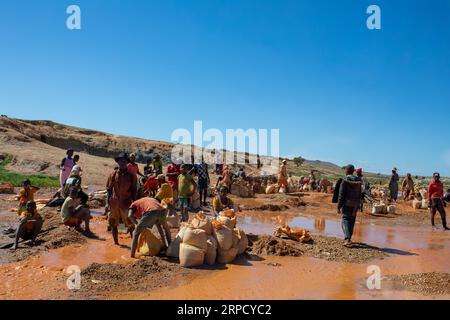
<point x="66" y="167"/>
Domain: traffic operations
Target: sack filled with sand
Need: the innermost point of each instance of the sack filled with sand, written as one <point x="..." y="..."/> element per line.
<point x="195" y="237"/>
<point x="243" y="240"/>
<point x="191" y="256"/>
<point x="200" y="221"/>
<point x="148" y="243"/>
<point x="226" y="256"/>
<point x="229" y="222"/>
<point x="174" y="248"/>
<point x="223" y="235"/>
<point x="211" y="251"/>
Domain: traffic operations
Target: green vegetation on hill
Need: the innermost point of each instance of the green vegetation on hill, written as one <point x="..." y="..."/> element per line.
<point x="16" y="179"/>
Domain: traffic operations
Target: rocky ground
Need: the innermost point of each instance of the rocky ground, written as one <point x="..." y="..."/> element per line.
<point x="431" y="283"/>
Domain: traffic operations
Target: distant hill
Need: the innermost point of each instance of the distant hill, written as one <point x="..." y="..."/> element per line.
<point x="39" y="145"/>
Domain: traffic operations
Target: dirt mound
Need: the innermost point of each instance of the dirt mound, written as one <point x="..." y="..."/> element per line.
<point x="271" y="246"/>
<point x="53" y="235"/>
<point x="431" y="283"/>
<point x="146" y="274"/>
<point x="321" y="247"/>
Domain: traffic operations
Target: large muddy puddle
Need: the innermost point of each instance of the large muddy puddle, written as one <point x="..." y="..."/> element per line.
<point x="413" y="250"/>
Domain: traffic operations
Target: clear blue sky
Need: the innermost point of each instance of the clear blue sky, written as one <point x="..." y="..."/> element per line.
<point x="336" y="90"/>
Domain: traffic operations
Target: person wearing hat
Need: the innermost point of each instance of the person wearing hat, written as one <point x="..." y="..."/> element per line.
<point x="121" y="187"/>
<point x="30" y="225"/>
<point x="133" y="167"/>
<point x="66" y="167"/>
<point x="393" y="185"/>
<point x="26" y="194"/>
<point x="221" y="201"/>
<point x="435" y="196"/>
<point x="283" y="176"/>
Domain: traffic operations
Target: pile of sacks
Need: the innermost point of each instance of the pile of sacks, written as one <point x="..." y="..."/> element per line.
<point x="382" y="208"/>
<point x="242" y="189"/>
<point x="205" y="241"/>
<point x="297" y="234"/>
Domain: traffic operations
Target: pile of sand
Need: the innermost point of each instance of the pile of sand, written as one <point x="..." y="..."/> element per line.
<point x="328" y="248"/>
<point x="146" y="274"/>
<point x="431" y="283"/>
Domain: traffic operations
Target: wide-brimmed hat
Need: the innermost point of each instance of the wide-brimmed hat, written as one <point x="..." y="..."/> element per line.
<point x="122" y="155"/>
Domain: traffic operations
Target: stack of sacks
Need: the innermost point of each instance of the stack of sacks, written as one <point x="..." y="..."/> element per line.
<point x="200" y="221"/>
<point x="174" y="247"/>
<point x="241" y="189"/>
<point x="231" y="241"/>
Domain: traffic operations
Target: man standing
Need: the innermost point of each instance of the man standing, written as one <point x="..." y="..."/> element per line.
<point x="133" y="167"/>
<point x="173" y="171"/>
<point x="121" y="187"/>
<point x="283" y="176"/>
<point x="149" y="212"/>
<point x="201" y="170"/>
<point x="157" y="165"/>
<point x="393" y="185"/>
<point x="349" y="202"/>
<point x="435" y="196"/>
<point x="66" y="167"/>
<point x="186" y="188"/>
<point x="407" y="186"/>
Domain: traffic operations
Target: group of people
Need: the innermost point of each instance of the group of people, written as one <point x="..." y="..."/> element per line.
<point x="173" y="190"/>
<point x="164" y="194"/>
<point x="351" y="188"/>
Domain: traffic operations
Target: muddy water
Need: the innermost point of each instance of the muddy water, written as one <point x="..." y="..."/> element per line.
<point x="414" y="249"/>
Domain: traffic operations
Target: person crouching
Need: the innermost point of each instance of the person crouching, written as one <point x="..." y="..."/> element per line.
<point x="30" y="225"/>
<point x="73" y="214"/>
<point x="149" y="212"/>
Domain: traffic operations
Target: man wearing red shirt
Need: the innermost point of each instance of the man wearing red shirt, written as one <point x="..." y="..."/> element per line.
<point x="435" y="195"/>
<point x="149" y="212"/>
<point x="173" y="171"/>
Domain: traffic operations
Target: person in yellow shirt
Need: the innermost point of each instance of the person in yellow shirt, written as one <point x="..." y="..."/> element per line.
<point x="221" y="201"/>
<point x="26" y="194"/>
<point x="30" y="225"/>
<point x="165" y="191"/>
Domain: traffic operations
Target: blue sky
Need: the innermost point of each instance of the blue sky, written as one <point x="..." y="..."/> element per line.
<point x="336" y="90"/>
